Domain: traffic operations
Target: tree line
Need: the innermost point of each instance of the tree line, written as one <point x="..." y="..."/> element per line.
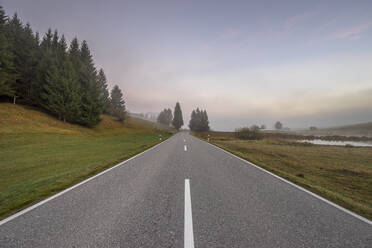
<point x="167" y="118"/>
<point x="50" y="74"/>
<point x="199" y="119"/>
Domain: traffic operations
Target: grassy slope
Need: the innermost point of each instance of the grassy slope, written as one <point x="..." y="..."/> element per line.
<point x="40" y="155"/>
<point x="340" y="174"/>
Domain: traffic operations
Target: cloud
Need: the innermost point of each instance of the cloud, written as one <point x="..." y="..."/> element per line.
<point x="293" y="21"/>
<point x="352" y="33"/>
<point x="230" y="33"/>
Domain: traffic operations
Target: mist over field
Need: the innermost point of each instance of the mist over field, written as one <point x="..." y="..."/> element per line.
<point x="305" y="63"/>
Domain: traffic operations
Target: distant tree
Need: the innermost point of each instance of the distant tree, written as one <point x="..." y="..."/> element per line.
<point x="165" y="117"/>
<point x="118" y="103"/>
<point x="313" y="128"/>
<point x="169" y="116"/>
<point x="204" y="121"/>
<point x="278" y="125"/>
<point x="262" y="126"/>
<point x="254" y="128"/>
<point x="177" y="118"/>
<point x="199" y="120"/>
<point x="161" y="118"/>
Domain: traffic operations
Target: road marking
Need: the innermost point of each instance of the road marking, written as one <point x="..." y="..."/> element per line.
<point x="189" y="233"/>
<point x="184" y="140"/>
<point x="298" y="187"/>
<point x="185" y="147"/>
<point x="2" y="222"/>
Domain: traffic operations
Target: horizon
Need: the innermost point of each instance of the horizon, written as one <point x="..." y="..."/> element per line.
<point x="304" y="64"/>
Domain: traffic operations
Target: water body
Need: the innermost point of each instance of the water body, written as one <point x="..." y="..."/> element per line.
<point x="337" y="143"/>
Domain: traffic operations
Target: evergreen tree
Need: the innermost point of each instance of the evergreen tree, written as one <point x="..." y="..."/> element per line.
<point x="168" y="116"/>
<point x="91" y="107"/>
<point x="62" y="81"/>
<point x="118" y="103"/>
<point x="24" y="47"/>
<point x="161" y="117"/>
<point x="59" y="92"/>
<point x="165" y="117"/>
<point x="7" y="73"/>
<point x="204" y="121"/>
<point x="278" y="125"/>
<point x="74" y="54"/>
<point x="177" y="119"/>
<point x="104" y="95"/>
<point x="199" y="121"/>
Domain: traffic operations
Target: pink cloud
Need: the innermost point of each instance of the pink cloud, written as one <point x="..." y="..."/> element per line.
<point x="352" y="33"/>
<point x="290" y="23"/>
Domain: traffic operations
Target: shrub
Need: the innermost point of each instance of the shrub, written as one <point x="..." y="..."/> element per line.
<point x="247" y="133"/>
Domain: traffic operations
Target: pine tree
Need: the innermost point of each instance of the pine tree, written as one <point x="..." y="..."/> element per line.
<point x="91" y="107"/>
<point x="199" y="121"/>
<point x="62" y="81"/>
<point x="118" y="103"/>
<point x="168" y="116"/>
<point x="165" y="117"/>
<point x="193" y="121"/>
<point x="205" y="121"/>
<point x="177" y="119"/>
<point x="161" y="117"/>
<point x="24" y="47"/>
<point x="278" y="125"/>
<point x="59" y="92"/>
<point x="7" y="72"/>
<point x="104" y="95"/>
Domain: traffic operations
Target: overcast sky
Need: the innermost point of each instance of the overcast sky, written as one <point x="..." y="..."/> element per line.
<point x="301" y="62"/>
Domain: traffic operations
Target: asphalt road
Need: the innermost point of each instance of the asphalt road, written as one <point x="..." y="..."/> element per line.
<point x="141" y="203"/>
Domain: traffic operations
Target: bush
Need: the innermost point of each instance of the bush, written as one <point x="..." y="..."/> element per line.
<point x="247" y="133"/>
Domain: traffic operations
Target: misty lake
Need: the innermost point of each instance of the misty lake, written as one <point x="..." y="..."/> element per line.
<point x="336" y="143"/>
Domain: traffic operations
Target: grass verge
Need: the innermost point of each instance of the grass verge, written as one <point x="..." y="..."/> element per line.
<point x="40" y="156"/>
<point x="340" y="174"/>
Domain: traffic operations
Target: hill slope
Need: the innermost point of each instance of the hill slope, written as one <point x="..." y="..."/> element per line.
<point x="24" y="119"/>
<point x="40" y="155"/>
<point x="361" y="129"/>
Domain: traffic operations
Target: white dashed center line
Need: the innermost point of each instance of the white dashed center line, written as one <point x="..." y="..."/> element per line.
<point x="185" y="147"/>
<point x="189" y="233"/>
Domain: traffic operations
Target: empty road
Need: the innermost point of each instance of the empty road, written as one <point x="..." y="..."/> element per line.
<point x="185" y="193"/>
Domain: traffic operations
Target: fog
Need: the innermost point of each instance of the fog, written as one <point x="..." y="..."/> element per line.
<point x="305" y="63"/>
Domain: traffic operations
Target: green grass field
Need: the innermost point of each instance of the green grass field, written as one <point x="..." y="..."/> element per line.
<point x="340" y="174"/>
<point x="40" y="155"/>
